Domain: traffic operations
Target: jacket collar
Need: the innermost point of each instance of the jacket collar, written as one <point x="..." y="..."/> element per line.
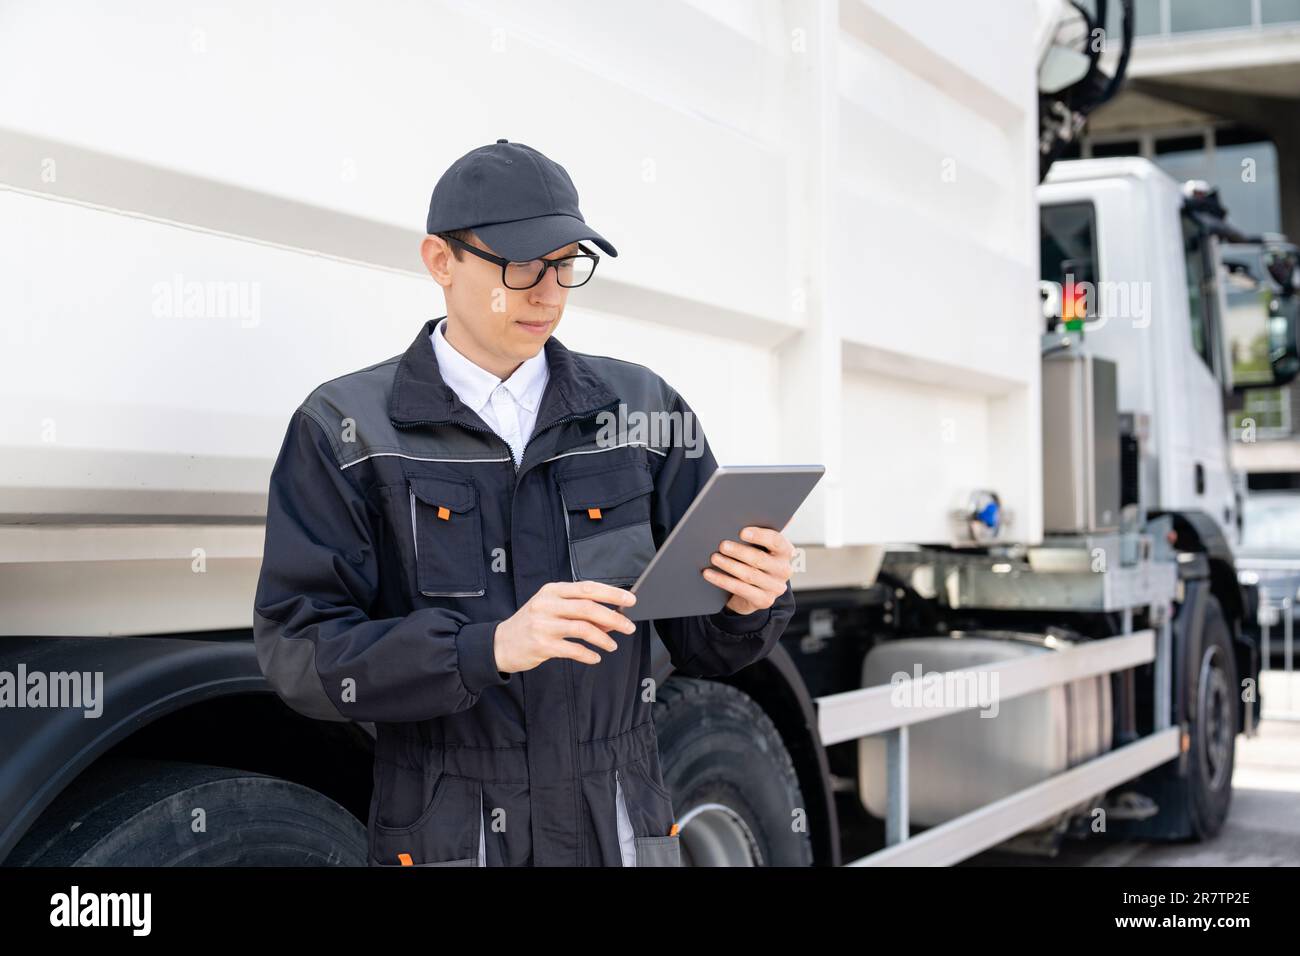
<point x="421" y="395"/>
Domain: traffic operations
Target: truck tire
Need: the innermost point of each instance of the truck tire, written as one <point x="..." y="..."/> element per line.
<point x="1212" y="708"/>
<point x="133" y="812"/>
<point x="733" y="786"/>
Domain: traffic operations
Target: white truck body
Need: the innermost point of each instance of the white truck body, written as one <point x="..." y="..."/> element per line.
<point x="824" y="213"/>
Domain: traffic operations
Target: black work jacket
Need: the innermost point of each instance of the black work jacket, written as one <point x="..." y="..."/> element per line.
<point x="400" y="533"/>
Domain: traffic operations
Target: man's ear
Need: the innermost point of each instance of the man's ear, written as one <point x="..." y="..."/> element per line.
<point x="436" y="253"/>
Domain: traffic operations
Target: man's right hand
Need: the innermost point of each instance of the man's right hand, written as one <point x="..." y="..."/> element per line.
<point x="560" y="610"/>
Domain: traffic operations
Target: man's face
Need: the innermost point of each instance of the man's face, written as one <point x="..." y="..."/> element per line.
<point x="505" y="326"/>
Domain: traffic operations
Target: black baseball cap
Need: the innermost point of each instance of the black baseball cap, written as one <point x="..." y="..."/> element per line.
<point x="518" y="201"/>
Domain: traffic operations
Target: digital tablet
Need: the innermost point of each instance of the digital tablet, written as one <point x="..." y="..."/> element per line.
<point x="735" y="496"/>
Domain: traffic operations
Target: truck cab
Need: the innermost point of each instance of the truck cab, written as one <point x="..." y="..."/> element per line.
<point x="1143" y="256"/>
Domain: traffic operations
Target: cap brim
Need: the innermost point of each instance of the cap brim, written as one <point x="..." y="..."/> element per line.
<point x="526" y="239"/>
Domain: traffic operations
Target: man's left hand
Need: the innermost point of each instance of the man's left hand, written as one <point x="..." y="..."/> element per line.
<point x="755" y="572"/>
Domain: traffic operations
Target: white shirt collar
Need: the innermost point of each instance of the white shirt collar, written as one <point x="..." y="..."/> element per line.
<point x="475" y="384"/>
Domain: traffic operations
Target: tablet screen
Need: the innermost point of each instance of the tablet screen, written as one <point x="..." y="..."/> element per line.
<point x="735" y="496"/>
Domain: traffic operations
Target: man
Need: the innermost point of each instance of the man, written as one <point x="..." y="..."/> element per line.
<point x="450" y="535"/>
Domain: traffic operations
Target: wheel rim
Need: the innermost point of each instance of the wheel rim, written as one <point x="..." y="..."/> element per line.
<point x="714" y="834"/>
<point x="1214" y="706"/>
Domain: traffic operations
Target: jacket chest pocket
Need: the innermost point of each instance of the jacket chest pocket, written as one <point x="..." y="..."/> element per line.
<point x="447" y="530"/>
<point x="607" y="523"/>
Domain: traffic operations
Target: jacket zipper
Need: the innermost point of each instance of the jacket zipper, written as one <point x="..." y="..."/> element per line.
<point x="568" y="669"/>
<point x="573" y="729"/>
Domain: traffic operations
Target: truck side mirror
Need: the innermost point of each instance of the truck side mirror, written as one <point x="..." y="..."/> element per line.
<point x="1283" y="265"/>
<point x="1284" y="327"/>
<point x="1283" y="354"/>
<point x="1262" y="327"/>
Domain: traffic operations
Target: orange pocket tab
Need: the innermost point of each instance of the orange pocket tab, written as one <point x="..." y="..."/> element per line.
<point x="443" y="513"/>
<point x="405" y="859"/>
<point x="593" y="514"/>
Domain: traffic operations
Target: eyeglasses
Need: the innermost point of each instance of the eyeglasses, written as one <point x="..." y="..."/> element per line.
<point x="570" y="271"/>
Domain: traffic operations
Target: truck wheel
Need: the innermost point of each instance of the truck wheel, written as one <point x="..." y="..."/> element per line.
<point x="132" y="812"/>
<point x="1213" y="711"/>
<point x="734" y="789"/>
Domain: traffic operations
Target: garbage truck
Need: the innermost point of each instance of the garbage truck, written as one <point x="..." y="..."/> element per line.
<point x="1018" y="618"/>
